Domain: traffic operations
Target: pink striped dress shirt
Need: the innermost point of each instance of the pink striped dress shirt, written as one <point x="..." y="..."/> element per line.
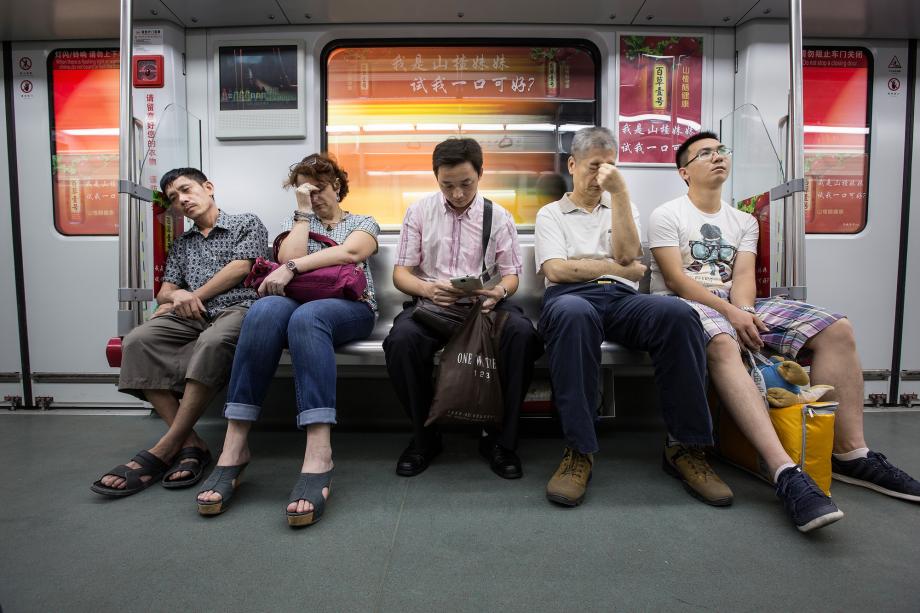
<point x="439" y="244"/>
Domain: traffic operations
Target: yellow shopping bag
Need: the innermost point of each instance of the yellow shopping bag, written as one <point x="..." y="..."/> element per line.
<point x="806" y="432"/>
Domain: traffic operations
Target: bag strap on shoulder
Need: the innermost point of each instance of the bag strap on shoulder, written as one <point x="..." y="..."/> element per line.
<point x="319" y="238"/>
<point x="322" y="238"/>
<point x="486" y="228"/>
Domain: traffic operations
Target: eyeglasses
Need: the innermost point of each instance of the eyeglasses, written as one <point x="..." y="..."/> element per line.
<point x="706" y="154"/>
<point x="704" y="251"/>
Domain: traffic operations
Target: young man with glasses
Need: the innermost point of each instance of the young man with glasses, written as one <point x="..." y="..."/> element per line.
<point x="704" y="251"/>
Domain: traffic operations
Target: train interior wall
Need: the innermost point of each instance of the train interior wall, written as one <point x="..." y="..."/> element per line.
<point x="70" y="319"/>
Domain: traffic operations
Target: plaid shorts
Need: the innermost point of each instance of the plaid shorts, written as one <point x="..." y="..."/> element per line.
<point x="791" y="322"/>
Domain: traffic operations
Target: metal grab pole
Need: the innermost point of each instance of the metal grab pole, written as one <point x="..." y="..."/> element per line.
<point x="127" y="237"/>
<point x="794" y="211"/>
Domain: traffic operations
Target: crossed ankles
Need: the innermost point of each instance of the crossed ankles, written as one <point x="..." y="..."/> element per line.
<point x="184" y="468"/>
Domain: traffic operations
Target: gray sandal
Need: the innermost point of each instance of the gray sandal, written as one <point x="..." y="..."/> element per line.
<point x="150" y="466"/>
<point x="309" y="487"/>
<point x="224" y="480"/>
<point x="190" y="459"/>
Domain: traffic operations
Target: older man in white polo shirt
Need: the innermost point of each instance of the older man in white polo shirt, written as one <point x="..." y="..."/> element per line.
<point x="587" y="245"/>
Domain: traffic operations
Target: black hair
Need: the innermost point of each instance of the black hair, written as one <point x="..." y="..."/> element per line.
<point x="680" y="158"/>
<point x="455" y="151"/>
<point x="192" y="173"/>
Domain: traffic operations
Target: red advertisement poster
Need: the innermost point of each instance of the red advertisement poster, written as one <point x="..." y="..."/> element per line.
<point x="660" y="96"/>
<point x="759" y="207"/>
<point x="401" y="73"/>
<point x="836" y="99"/>
<point x="84" y="88"/>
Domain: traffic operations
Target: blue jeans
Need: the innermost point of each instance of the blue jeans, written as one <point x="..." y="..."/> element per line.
<point x="578" y="317"/>
<point x="311" y="331"/>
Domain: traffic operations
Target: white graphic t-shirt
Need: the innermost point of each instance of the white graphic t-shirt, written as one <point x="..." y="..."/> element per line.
<point x="708" y="242"/>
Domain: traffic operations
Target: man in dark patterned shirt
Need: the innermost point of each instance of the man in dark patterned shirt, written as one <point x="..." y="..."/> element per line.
<point x="180" y="357"/>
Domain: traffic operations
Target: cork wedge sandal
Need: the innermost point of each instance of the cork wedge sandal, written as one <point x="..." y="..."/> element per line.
<point x="309" y="487"/>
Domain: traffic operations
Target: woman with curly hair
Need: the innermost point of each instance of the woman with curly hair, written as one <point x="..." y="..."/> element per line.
<point x="311" y="331"/>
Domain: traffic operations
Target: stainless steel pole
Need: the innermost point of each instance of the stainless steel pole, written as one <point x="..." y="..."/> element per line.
<point x="794" y="211"/>
<point x="127" y="238"/>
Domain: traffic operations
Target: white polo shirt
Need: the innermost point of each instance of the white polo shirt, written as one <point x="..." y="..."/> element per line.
<point x="564" y="231"/>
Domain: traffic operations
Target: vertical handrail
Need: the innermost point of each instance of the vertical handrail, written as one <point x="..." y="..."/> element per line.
<point x="794" y="211"/>
<point x="127" y="214"/>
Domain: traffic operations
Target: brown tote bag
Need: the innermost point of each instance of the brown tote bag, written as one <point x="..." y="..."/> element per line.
<point x="468" y="387"/>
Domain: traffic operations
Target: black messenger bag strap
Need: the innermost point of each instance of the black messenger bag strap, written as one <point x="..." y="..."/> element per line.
<point x="486" y="228"/>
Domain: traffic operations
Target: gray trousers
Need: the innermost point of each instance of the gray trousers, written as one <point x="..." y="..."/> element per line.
<point x="166" y="351"/>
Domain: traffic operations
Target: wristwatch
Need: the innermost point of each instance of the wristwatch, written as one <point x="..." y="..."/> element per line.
<point x="749" y="309"/>
<point x="290" y="265"/>
<point x="505" y="290"/>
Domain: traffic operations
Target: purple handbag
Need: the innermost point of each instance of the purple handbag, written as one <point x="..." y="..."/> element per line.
<point x="341" y="281"/>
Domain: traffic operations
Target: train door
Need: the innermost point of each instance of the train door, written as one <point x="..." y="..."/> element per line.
<point x="10" y="364"/>
<point x="855" y="105"/>
<point x="67" y="153"/>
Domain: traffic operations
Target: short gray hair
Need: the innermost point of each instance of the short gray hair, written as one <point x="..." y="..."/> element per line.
<point x="596" y="137"/>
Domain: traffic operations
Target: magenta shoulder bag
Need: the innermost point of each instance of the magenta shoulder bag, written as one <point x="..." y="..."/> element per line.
<point x="341" y="281"/>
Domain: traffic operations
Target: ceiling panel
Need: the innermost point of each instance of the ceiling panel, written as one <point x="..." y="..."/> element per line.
<point x="227" y="13"/>
<point x="693" y="13"/>
<point x="861" y="18"/>
<point x="56" y="19"/>
<point x="98" y="19"/>
<point x="154" y="10"/>
<point x="767" y="9"/>
<point x="472" y="11"/>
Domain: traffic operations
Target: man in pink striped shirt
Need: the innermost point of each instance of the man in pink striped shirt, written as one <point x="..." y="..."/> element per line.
<point x="441" y="238"/>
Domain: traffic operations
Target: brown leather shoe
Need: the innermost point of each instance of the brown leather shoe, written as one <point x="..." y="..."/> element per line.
<point x="690" y="466"/>
<point x="568" y="484"/>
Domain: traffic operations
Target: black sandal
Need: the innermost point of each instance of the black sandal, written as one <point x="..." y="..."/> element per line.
<point x="224" y="480"/>
<point x="151" y="466"/>
<point x="189" y="459"/>
<point x="309" y="487"/>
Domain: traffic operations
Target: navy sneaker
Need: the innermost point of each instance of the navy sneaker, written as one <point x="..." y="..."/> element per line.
<point x="805" y="503"/>
<point x="877" y="473"/>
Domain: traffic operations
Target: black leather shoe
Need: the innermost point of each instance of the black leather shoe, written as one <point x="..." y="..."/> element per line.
<point x="414" y="461"/>
<point x="503" y="462"/>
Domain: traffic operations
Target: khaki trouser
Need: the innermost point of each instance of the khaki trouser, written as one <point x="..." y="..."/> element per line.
<point x="163" y="353"/>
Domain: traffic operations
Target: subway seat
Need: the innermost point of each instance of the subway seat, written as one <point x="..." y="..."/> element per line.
<point x="369" y="352"/>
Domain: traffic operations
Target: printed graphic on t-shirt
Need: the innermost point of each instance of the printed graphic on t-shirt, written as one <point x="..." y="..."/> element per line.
<point x="712" y="256"/>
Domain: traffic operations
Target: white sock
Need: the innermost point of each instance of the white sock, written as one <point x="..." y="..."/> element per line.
<point x="781" y="469"/>
<point x="862" y="452"/>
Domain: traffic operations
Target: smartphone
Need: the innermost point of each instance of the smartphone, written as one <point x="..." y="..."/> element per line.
<point x="467" y="283"/>
<point x="487" y="280"/>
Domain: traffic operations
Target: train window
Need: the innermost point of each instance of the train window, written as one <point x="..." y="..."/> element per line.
<point x="388" y="106"/>
<point x="837" y="90"/>
<point x="83" y="86"/>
